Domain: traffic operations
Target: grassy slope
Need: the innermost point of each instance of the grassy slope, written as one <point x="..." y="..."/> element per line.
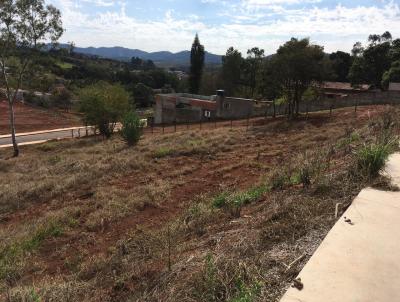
<point x="100" y="221"/>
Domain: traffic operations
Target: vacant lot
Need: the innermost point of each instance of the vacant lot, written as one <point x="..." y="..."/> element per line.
<point x="212" y="215"/>
<point x="30" y="119"/>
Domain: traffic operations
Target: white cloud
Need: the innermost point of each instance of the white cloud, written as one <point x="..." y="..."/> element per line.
<point x="256" y="4"/>
<point x="100" y="2"/>
<point x="335" y="28"/>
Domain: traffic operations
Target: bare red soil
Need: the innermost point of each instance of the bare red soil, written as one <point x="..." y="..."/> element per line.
<point x="272" y="142"/>
<point x="30" y="118"/>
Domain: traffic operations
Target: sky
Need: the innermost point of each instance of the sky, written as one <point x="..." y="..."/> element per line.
<point x="170" y="25"/>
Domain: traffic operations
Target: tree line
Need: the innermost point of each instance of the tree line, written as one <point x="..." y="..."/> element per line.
<point x="297" y="69"/>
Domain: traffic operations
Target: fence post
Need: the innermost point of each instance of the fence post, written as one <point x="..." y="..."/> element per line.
<point x="72" y="133"/>
<point x="175" y="126"/>
<point x="163" y="128"/>
<point x="79" y="132"/>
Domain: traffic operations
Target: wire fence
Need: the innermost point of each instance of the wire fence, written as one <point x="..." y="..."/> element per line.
<point x="201" y="125"/>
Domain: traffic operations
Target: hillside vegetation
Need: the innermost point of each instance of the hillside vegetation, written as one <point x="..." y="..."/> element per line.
<point x="212" y="215"/>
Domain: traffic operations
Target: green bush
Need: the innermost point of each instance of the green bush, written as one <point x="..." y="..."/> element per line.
<point x="371" y="159"/>
<point x="131" y="128"/>
<point x="103" y="105"/>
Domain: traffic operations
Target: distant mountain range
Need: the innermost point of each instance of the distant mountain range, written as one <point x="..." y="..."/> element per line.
<point x="163" y="58"/>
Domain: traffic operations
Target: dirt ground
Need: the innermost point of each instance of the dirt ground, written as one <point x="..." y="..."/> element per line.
<point x="92" y="215"/>
<point x="29" y="119"/>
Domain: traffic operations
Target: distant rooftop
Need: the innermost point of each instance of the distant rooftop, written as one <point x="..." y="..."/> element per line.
<point x="345" y="86"/>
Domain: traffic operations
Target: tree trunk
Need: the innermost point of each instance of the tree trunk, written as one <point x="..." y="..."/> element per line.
<point x="12" y="126"/>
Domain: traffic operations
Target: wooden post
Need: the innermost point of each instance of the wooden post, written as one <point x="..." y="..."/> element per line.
<point x="163" y="128"/>
<point x="72" y="133"/>
<point x="79" y="132"/>
<point x="175" y="126"/>
<point x="307" y="111"/>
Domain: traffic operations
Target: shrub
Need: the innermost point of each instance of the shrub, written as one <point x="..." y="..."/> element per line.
<point x="279" y="179"/>
<point x="371" y="159"/>
<point x="131" y="128"/>
<point x="220" y="200"/>
<point x="103" y="105"/>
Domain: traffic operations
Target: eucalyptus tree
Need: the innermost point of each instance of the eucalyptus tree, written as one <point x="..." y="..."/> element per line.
<point x="25" y="26"/>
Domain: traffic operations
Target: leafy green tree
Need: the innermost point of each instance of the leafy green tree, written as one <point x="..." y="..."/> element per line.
<point x="372" y="62"/>
<point x="210" y="82"/>
<point x="131" y="128"/>
<point x="269" y="87"/>
<point x="341" y="63"/>
<point x="104" y="105"/>
<point x="143" y="95"/>
<point x="297" y="67"/>
<point x="197" y="56"/>
<point x="231" y="72"/>
<point x="139" y="64"/>
<point x="24" y="27"/>
<point x="252" y="68"/>
<point x="395" y="51"/>
<point x="62" y="98"/>
<point x="392" y="75"/>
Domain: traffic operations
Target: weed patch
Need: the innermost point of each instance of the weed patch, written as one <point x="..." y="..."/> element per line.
<point x="163" y="152"/>
<point x="371" y="159"/>
<point x="234" y="202"/>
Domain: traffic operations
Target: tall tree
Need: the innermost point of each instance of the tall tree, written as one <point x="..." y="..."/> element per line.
<point x="24" y="27"/>
<point x="253" y="65"/>
<point x="297" y="67"/>
<point x="231" y="72"/>
<point x="392" y="75"/>
<point x="197" y="56"/>
<point x="341" y="63"/>
<point x="372" y="62"/>
<point x="269" y="87"/>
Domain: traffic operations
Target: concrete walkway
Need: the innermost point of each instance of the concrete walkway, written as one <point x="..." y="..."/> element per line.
<point x="38" y="137"/>
<point x="359" y="260"/>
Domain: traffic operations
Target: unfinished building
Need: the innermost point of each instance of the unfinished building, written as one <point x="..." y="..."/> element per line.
<point x="189" y="108"/>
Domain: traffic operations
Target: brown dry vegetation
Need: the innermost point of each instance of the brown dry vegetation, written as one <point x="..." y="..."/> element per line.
<point x="212" y="215"/>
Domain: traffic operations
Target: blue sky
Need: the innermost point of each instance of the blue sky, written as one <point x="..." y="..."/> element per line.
<point x="155" y="25"/>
